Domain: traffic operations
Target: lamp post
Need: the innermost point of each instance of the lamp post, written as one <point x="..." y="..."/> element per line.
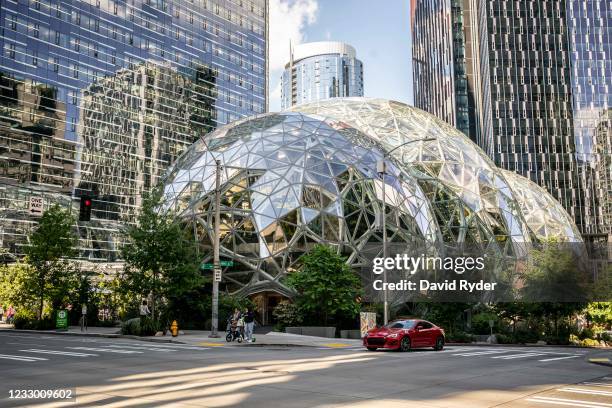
<point x="381" y="167"/>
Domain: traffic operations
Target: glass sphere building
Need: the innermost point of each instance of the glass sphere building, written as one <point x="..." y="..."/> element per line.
<point x="296" y="178"/>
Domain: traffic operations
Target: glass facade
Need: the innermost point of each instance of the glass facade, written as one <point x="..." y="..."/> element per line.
<point x="321" y="70"/>
<point x="590" y="38"/>
<point x="99" y="97"/>
<point x="525" y="67"/>
<point x="293" y="179"/>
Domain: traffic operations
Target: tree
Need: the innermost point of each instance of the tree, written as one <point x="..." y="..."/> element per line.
<point x="160" y="256"/>
<point x="327" y="289"/>
<point x="50" y="247"/>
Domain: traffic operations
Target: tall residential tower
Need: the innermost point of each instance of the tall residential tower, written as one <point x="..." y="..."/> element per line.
<point x="321" y="70"/>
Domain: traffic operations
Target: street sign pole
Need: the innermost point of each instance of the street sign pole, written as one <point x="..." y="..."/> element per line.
<point x="216" y="265"/>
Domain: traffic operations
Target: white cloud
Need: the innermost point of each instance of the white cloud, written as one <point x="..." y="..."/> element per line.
<point x="288" y="19"/>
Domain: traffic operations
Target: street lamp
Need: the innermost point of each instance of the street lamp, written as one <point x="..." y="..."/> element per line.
<point x="381" y="167"/>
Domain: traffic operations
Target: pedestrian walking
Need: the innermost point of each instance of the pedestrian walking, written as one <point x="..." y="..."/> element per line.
<point x="144" y="309"/>
<point x="249" y="322"/>
<point x="10" y="315"/>
<point x="84" y="317"/>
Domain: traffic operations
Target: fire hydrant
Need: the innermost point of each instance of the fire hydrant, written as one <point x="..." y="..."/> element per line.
<point x="174" y="328"/>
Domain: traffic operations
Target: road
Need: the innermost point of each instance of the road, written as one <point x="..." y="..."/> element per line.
<point x="119" y="372"/>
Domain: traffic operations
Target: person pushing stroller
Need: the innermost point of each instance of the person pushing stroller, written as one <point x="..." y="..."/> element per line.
<point x="235" y="327"/>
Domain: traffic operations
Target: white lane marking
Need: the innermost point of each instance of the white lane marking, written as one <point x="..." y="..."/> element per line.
<point x="142" y="348"/>
<point x="480" y="353"/>
<point x="63" y="353"/>
<point x="569" y="402"/>
<point x="584" y="391"/>
<point x="596" y="384"/>
<point x="21" y="358"/>
<point x="559" y="358"/>
<point x="515" y="356"/>
<point x="165" y="345"/>
<point x="107" y="350"/>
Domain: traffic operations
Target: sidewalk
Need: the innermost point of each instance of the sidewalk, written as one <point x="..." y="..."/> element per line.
<point x="200" y="338"/>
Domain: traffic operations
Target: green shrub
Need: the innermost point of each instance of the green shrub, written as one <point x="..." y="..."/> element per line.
<point x="480" y="323"/>
<point x="526" y="336"/>
<point x="459" y="337"/>
<point x="131" y="327"/>
<point x="586" y="333"/>
<point x="24" y="318"/>
<point x="287" y="314"/>
<point x="503" y="339"/>
<point x="558" y="340"/>
<point x="148" y="326"/>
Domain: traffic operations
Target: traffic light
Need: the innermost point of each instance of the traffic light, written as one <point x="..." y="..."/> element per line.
<point x="85" y="210"/>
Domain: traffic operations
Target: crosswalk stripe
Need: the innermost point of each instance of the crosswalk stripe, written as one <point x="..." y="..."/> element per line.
<point x="142" y="348"/>
<point x="569" y="402"/>
<point x="481" y="353"/>
<point x="21" y="358"/>
<point x="108" y="350"/>
<point x="516" y="356"/>
<point x="63" y="353"/>
<point x="583" y="391"/>
<point x="596" y="384"/>
<point x="166" y="346"/>
<point x="558" y="358"/>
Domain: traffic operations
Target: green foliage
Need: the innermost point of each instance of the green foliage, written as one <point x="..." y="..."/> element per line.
<point x="327" y="289"/>
<point x="16" y="286"/>
<point x="480" y="323"/>
<point x="552" y="274"/>
<point x="287" y="314"/>
<point x="50" y="245"/>
<point x="160" y="257"/>
<point x="459" y="337"/>
<point x="131" y="327"/>
<point x="600" y="313"/>
<point x="446" y="315"/>
<point x="148" y="326"/>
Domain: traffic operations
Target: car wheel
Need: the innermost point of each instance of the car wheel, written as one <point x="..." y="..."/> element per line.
<point x="371" y="348"/>
<point x="439" y="343"/>
<point x="405" y="344"/>
<point x="228" y="338"/>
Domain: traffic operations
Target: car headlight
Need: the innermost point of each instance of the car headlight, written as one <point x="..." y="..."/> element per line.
<point x="392" y="336"/>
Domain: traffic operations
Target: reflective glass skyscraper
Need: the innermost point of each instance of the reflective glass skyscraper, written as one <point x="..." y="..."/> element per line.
<point x="321" y="70"/>
<point x="98" y="97"/>
<point x="528" y="81"/>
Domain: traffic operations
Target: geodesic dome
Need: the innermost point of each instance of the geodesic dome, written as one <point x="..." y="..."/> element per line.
<point x="293" y="179"/>
<point x="290" y="181"/>
<point x="450" y="157"/>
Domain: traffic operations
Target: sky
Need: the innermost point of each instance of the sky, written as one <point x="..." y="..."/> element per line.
<point x="379" y="31"/>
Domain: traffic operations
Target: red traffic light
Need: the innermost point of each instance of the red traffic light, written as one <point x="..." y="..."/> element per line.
<point x="87" y="203"/>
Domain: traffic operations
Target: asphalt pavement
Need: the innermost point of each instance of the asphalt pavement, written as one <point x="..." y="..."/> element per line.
<point x="120" y="372"/>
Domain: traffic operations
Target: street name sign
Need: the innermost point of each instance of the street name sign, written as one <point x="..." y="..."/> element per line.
<point x="212" y="266"/>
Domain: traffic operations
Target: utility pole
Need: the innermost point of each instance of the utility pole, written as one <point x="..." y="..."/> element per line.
<point x="216" y="263"/>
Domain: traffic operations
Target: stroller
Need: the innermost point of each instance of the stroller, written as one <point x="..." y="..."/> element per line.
<point x="233" y="331"/>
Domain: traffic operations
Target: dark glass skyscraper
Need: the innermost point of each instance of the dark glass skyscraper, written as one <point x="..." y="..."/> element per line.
<point x="527" y="81"/>
<point x="98" y="97"/>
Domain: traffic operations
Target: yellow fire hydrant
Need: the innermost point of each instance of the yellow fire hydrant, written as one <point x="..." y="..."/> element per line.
<point x="174" y="328"/>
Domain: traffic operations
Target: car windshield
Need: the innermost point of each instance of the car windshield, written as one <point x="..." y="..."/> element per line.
<point x="401" y="324"/>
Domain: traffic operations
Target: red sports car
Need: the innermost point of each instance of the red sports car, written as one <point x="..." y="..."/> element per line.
<point x="405" y="334"/>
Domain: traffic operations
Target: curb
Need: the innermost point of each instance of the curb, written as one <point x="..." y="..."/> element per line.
<point x="601" y="361"/>
<point x="100" y="335"/>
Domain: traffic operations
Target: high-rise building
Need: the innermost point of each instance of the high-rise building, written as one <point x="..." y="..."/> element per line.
<point x="98" y="97"/>
<point x="321" y="70"/>
<point x="525" y="80"/>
